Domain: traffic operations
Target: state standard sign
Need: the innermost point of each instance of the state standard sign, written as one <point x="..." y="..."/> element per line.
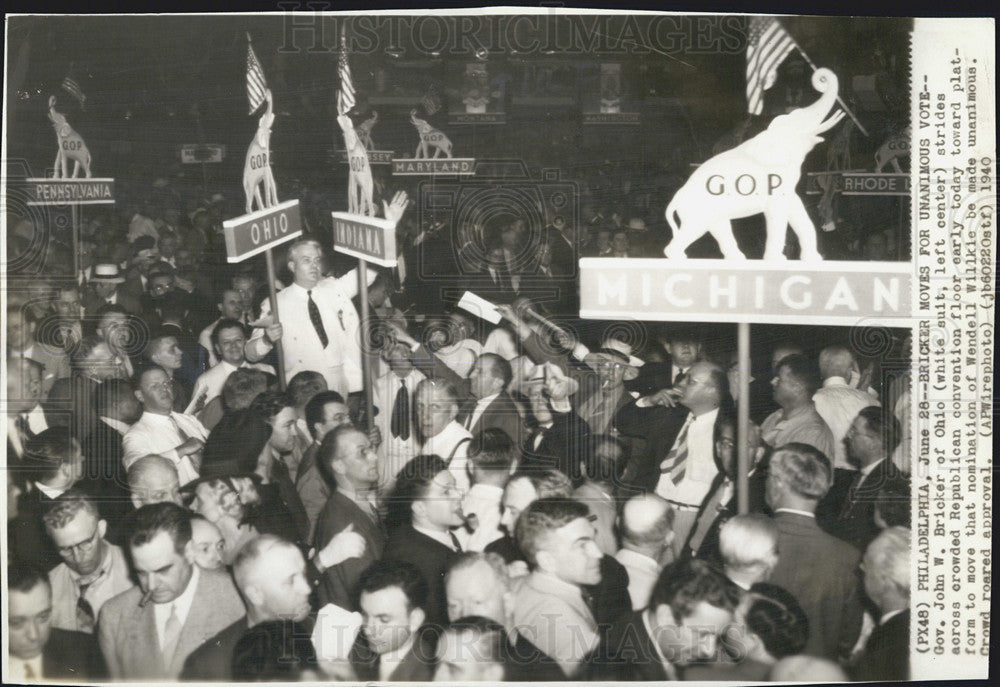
<point x="255" y="233"/>
<point x="371" y="239"/>
<point x="72" y="191"/>
<point x="843" y="293"/>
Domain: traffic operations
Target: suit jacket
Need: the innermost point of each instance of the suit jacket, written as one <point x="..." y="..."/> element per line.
<point x="525" y="662"/>
<point x="855" y="519"/>
<point x="70" y="403"/>
<point x="659" y="426"/>
<point x="126" y="298"/>
<point x="213" y="660"/>
<point x="627" y="653"/>
<point x="105" y="473"/>
<point x="709" y="547"/>
<point x="887" y="652"/>
<point x="501" y="413"/>
<point x="128" y="637"/>
<point x="26" y="536"/>
<point x="339" y="583"/>
<point x="563" y="445"/>
<point x="73" y="657"/>
<point x="432" y="558"/>
<point x="417" y="665"/>
<point x="821" y="572"/>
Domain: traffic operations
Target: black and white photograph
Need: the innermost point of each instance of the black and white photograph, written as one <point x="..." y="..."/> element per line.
<point x="634" y="346"/>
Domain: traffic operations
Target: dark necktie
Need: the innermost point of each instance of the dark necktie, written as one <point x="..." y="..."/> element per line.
<point x="454" y="541"/>
<point x="29" y="674"/>
<point x="317" y="320"/>
<point x="852" y="494"/>
<point x="679" y="378"/>
<point x="400" y="423"/>
<point x="84" y="611"/>
<point x="21" y="422"/>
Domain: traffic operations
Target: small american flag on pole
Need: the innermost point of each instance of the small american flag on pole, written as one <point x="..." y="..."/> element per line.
<point x="768" y="44"/>
<point x="346" y="95"/>
<point x="256" y="85"/>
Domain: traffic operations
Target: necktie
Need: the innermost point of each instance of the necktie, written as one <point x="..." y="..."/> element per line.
<point x="400" y="423"/>
<point x="539" y="437"/>
<point x="317" y="320"/>
<point x="171" y="635"/>
<point x="852" y="494"/>
<point x="84" y="611"/>
<point x="454" y="541"/>
<point x="21" y="422"/>
<point x="676" y="461"/>
<point x="180" y="432"/>
<point x="29" y="674"/>
<point x="679" y="378"/>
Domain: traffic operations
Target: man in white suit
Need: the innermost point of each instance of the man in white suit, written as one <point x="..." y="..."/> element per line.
<point x="319" y="325"/>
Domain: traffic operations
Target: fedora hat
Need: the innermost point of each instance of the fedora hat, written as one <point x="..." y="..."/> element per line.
<point x="107" y="272"/>
<point x="615" y="351"/>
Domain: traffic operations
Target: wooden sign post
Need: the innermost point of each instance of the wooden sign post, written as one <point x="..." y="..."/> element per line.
<point x="369" y="239"/>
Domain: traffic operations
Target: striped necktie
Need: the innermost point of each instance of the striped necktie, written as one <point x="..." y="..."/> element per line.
<point x="675" y="463"/>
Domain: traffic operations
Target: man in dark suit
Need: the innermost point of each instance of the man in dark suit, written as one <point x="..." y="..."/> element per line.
<point x="391" y="645"/>
<point x="559" y="438"/>
<point x="477" y="584"/>
<point x="52" y="465"/>
<point x="655" y="644"/>
<point x="425" y="510"/>
<point x="886" y="567"/>
<point x="347" y="454"/>
<point x="871" y="440"/>
<point x="149" y="631"/>
<point x="817" y="568"/>
<point x="103" y="289"/>
<point x="683" y="347"/>
<point x="271" y="575"/>
<point x="679" y="425"/>
<point x="37" y="650"/>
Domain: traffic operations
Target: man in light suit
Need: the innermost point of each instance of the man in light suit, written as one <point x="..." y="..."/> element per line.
<point x="147" y="632"/>
<point x="319" y="324"/>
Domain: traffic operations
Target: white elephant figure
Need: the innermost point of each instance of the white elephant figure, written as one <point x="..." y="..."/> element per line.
<point x="364" y="131"/>
<point x="757" y="176"/>
<point x="429" y="137"/>
<point x="71" y="146"/>
<point x="359" y="181"/>
<point x="257" y="167"/>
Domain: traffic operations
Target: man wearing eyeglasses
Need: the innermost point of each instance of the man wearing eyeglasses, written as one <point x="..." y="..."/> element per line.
<point x="92" y="570"/>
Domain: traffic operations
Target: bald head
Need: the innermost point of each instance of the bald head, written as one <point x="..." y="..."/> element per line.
<point x="647" y="524"/>
<point x="153" y="479"/>
<point x="836" y="361"/>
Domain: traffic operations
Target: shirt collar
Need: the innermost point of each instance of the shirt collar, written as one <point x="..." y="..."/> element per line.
<point x="487" y="490"/>
<point x="103" y="569"/>
<point x="117" y="425"/>
<point x="49" y="491"/>
<point x="834" y="381"/>
<point x="667" y="665"/>
<point x="487" y="400"/>
<point x="865" y="471"/>
<point x="18" y="665"/>
<point x="794" y="511"/>
<point x="886" y="617"/>
<point x="705" y="418"/>
<point x="436" y="536"/>
<point x="182" y="603"/>
<point x="397" y="656"/>
<point x="554" y="585"/>
<point x="639" y="558"/>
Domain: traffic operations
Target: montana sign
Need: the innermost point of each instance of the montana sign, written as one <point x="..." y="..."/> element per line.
<point x="368" y="238"/>
<point x="70" y="191"/>
<point x="844" y="293"/>
<point x="254" y="233"/>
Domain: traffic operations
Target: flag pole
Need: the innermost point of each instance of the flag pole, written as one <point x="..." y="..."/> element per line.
<point x="839" y="99"/>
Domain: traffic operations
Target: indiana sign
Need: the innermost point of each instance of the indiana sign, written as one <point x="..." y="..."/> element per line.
<point x="369" y="238"/>
<point x="251" y="234"/>
<point x="844" y="293"/>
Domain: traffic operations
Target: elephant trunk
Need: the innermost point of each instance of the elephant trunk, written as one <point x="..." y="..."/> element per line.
<point x="824" y="81"/>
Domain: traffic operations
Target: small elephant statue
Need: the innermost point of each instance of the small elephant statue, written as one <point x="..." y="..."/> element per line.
<point x="359" y="183"/>
<point x="757" y="176"/>
<point x="364" y="131"/>
<point x="257" y="168"/>
<point x="896" y="147"/>
<point x="429" y="137"/>
<point x="71" y="146"/>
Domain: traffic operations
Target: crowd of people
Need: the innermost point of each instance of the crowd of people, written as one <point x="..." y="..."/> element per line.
<point x="520" y="504"/>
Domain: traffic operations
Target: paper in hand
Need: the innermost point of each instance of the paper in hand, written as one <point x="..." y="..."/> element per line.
<point x="335" y="632"/>
<point x="480" y="307"/>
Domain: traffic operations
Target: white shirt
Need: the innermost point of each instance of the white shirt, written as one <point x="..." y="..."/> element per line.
<point x="643" y="572"/>
<point x="394" y="451"/>
<point x="444" y="444"/>
<point x="700" y="469"/>
<point x="795" y="511"/>
<point x="49" y="491"/>
<point x="460" y="357"/>
<point x="501" y="342"/>
<point x="155" y="433"/>
<point x="141" y="226"/>
<point x="112" y="578"/>
<point x="211" y="381"/>
<point x="117" y="425"/>
<point x="388" y="662"/>
<point x="483" y="501"/>
<point x="481" y="406"/>
<point x="838" y="404"/>
<point x="36" y="420"/>
<point x="668" y="667"/>
<point x="182" y="605"/>
<point x="867" y="470"/>
<point x="18" y="670"/>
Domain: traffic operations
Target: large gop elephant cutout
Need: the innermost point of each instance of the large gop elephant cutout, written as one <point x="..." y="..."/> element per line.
<point x="758" y="176"/>
<point x="71" y="146"/>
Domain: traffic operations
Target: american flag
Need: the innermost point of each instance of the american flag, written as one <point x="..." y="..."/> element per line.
<point x="256" y="85"/>
<point x="70" y="85"/>
<point x="346" y="95"/>
<point x="768" y="44"/>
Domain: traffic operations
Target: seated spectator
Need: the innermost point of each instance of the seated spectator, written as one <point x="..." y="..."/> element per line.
<point x="92" y="570"/>
<point x="392" y="596"/>
<point x="647" y="536"/>
<point x="37" y="650"/>
<point x="557" y="538"/>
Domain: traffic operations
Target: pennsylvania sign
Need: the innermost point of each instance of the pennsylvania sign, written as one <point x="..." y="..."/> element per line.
<point x="844" y="293"/>
<point x="70" y="191"/>
<point x="369" y="238"/>
<point x="254" y="233"/>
